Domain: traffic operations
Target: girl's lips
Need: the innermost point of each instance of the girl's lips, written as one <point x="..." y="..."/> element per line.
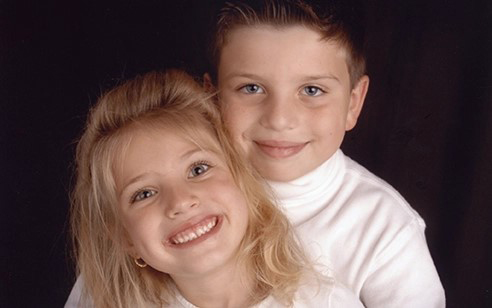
<point x="280" y="149"/>
<point x="191" y="234"/>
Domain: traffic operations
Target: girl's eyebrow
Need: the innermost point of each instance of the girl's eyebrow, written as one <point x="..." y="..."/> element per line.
<point x="137" y="178"/>
<point x="134" y="180"/>
<point x="191" y="152"/>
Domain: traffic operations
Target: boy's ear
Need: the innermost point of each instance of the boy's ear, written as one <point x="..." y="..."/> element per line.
<point x="357" y="97"/>
<point x="207" y="83"/>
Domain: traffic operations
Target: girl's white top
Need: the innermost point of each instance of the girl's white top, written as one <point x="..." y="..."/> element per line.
<point x="314" y="294"/>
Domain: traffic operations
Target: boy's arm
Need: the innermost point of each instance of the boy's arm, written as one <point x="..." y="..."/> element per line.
<point x="403" y="274"/>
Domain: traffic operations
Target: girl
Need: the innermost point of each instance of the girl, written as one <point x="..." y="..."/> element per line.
<point x="166" y="213"/>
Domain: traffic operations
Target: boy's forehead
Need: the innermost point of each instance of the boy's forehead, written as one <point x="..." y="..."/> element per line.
<point x="248" y="49"/>
<point x="308" y="33"/>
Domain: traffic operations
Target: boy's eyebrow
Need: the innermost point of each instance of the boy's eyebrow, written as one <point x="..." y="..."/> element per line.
<point x="245" y="75"/>
<point x="303" y="79"/>
<point x="318" y="77"/>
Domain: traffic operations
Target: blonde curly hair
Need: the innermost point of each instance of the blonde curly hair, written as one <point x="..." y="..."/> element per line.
<point x="111" y="279"/>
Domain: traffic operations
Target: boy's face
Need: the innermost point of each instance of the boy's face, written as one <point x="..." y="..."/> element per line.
<point x="287" y="97"/>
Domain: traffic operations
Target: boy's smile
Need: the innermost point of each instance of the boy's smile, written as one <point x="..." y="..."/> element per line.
<point x="279" y="149"/>
<point x="286" y="97"/>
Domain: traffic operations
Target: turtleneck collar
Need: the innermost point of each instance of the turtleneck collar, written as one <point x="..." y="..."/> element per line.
<point x="298" y="196"/>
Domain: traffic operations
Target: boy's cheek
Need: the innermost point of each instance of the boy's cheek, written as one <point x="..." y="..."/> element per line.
<point x="235" y="114"/>
<point x="236" y="129"/>
<point x="236" y="124"/>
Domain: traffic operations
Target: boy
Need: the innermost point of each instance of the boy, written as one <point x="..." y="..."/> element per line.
<point x="291" y="82"/>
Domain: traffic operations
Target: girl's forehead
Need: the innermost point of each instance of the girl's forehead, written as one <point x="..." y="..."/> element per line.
<point x="201" y="136"/>
<point x="142" y="146"/>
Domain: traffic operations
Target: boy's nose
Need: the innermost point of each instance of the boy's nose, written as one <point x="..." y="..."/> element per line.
<point x="180" y="201"/>
<point x="279" y="113"/>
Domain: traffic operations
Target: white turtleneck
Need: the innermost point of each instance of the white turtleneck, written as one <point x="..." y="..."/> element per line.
<point x="359" y="227"/>
<point x="362" y="230"/>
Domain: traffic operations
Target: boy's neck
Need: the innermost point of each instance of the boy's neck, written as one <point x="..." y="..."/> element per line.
<point x="231" y="286"/>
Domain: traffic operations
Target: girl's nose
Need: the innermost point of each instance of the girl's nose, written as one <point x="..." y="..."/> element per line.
<point x="279" y="113"/>
<point x="181" y="200"/>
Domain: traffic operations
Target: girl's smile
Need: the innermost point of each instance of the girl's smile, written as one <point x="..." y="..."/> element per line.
<point x="181" y="208"/>
<point x="194" y="234"/>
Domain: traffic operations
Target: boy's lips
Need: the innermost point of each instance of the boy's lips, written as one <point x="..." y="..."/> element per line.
<point x="191" y="234"/>
<point x="280" y="149"/>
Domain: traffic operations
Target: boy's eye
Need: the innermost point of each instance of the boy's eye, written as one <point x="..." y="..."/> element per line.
<point x="143" y="194"/>
<point x="312" y="91"/>
<point x="198" y="169"/>
<point x="252" y="89"/>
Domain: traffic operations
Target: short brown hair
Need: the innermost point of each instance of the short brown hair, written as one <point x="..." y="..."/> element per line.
<point x="334" y="20"/>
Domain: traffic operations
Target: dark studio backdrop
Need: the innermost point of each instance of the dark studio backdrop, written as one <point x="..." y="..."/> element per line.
<point x="425" y="127"/>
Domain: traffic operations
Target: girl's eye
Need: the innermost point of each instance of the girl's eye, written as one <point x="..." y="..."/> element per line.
<point x="142" y="195"/>
<point x="252" y="89"/>
<point x="198" y="169"/>
<point x="312" y="91"/>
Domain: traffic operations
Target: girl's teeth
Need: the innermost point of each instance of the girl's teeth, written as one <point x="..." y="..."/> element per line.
<point x="184" y="238"/>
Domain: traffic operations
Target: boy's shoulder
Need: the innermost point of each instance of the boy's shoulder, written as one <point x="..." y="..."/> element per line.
<point x="367" y="190"/>
<point x="342" y="190"/>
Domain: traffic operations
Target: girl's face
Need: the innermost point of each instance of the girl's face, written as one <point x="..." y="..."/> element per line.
<point x="180" y="206"/>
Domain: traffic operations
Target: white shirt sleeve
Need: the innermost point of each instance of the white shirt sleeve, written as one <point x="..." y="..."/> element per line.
<point x="403" y="274"/>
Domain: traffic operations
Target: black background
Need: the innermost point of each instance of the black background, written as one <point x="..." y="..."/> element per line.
<point x="425" y="127"/>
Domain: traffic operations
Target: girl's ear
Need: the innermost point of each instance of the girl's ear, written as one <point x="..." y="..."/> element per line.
<point x="208" y="85"/>
<point x="357" y="97"/>
<point x="127" y="245"/>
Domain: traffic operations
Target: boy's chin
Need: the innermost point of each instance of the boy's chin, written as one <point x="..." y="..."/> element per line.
<point x="286" y="168"/>
<point x="283" y="172"/>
